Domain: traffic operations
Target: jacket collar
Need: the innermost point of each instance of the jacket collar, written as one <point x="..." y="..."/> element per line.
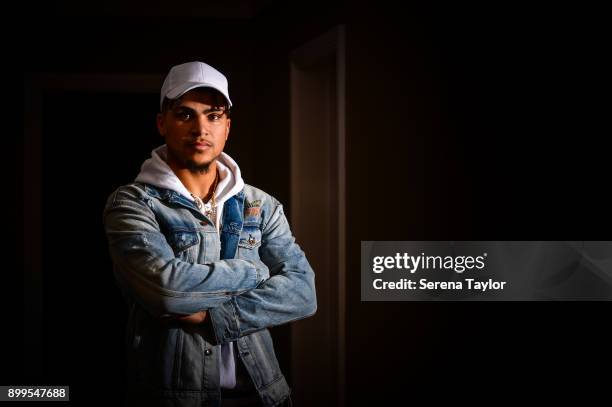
<point x="169" y="196"/>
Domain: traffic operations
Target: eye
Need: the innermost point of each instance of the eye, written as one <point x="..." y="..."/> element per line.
<point x="213" y="117"/>
<point x="183" y="115"/>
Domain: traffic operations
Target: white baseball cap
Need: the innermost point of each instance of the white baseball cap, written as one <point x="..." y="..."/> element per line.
<point x="184" y="77"/>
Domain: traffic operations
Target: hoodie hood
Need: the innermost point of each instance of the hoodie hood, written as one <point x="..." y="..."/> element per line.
<point x="155" y="171"/>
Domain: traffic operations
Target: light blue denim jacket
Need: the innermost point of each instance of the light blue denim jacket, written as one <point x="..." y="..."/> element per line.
<point x="169" y="259"/>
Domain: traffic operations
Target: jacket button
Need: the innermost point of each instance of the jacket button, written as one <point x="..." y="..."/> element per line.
<point x="203" y="223"/>
<point x="207" y="352"/>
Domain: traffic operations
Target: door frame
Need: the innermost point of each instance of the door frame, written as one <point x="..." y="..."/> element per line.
<point x="317" y="91"/>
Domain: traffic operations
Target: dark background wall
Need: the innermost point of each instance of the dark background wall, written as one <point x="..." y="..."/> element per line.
<point x="475" y="123"/>
<point x="469" y="122"/>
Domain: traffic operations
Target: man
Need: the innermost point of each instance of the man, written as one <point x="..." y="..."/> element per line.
<point x="205" y="262"/>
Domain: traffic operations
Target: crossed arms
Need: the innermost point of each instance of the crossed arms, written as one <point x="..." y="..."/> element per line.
<point x="236" y="296"/>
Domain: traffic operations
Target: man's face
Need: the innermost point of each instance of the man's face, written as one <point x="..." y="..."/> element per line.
<point x="195" y="130"/>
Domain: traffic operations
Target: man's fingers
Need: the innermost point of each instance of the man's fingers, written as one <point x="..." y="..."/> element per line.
<point x="196" y="318"/>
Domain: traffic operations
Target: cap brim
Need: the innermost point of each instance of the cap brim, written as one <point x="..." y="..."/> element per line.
<point x="186" y="87"/>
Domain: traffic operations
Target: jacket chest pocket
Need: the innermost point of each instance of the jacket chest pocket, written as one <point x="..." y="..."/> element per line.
<point x="250" y="240"/>
<point x="185" y="244"/>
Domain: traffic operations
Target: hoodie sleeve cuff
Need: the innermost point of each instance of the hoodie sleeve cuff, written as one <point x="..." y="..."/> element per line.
<point x="224" y="321"/>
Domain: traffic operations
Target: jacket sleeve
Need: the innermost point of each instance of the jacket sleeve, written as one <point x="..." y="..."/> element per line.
<point x="147" y="270"/>
<point x="288" y="295"/>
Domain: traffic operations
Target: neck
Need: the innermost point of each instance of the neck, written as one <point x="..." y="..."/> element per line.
<point x="199" y="183"/>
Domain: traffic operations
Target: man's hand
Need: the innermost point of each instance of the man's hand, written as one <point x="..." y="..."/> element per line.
<point x="196" y="318"/>
<point x="193" y="319"/>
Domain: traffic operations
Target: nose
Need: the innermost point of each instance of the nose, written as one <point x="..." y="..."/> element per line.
<point x="200" y="126"/>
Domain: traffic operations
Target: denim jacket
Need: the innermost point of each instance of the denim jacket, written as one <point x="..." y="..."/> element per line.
<point x="169" y="259"/>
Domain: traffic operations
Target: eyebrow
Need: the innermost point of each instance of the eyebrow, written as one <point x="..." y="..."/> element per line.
<point x="206" y="111"/>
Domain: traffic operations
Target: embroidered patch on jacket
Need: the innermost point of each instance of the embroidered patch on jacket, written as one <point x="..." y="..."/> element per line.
<point x="252" y="209"/>
<point x="254" y="203"/>
<point x="252" y="212"/>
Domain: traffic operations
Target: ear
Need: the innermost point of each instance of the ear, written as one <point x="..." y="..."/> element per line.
<point x="161" y="124"/>
<point x="227" y="128"/>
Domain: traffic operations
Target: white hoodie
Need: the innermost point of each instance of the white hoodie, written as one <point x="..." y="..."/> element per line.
<point x="157" y="172"/>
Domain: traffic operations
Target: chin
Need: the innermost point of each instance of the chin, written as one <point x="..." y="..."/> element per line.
<point x="198" y="165"/>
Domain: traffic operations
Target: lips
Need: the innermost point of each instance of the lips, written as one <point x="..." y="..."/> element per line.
<point x="201" y="145"/>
